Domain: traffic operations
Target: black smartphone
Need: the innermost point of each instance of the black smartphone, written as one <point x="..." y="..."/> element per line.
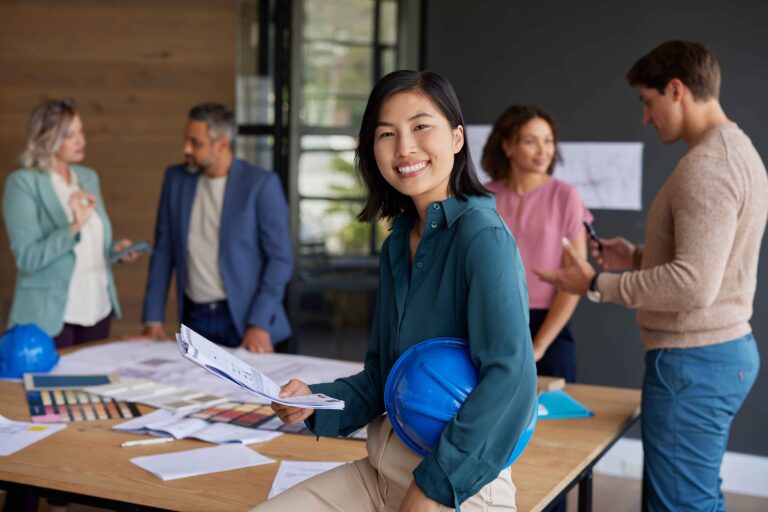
<point x="140" y="247"/>
<point x="593" y="235"/>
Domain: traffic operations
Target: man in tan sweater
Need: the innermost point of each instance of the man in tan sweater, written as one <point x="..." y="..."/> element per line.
<point x="693" y="282"/>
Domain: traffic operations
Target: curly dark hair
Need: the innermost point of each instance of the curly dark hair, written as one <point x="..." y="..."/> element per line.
<point x="383" y="200"/>
<point x="507" y="126"/>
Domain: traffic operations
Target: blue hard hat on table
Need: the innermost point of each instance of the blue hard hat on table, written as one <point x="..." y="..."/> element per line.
<point x="426" y="388"/>
<point x="26" y="349"/>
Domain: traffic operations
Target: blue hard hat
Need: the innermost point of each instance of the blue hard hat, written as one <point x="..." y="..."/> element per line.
<point x="426" y="388"/>
<point x="26" y="349"/>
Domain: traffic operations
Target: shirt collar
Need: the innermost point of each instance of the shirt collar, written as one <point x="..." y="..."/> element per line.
<point x="452" y="209"/>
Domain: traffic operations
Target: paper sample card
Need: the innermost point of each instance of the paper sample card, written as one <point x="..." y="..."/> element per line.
<point x="294" y="472"/>
<point x="15" y="435"/>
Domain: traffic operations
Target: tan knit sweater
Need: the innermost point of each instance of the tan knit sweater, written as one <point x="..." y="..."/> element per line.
<point x="698" y="275"/>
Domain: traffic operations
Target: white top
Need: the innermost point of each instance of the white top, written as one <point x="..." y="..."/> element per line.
<point x="203" y="280"/>
<point x="88" y="298"/>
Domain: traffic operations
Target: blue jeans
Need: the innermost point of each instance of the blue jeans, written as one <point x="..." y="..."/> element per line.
<point x="213" y="321"/>
<point x="690" y="397"/>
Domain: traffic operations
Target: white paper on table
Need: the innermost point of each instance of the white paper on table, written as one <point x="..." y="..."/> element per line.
<point x="294" y="472"/>
<point x="15" y="435"/>
<point x="220" y="433"/>
<point x="139" y="425"/>
<point x="170" y="466"/>
<point x="218" y="361"/>
<point x="159" y="361"/>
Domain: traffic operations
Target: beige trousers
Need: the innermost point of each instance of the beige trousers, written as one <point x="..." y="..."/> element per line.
<point x="378" y="483"/>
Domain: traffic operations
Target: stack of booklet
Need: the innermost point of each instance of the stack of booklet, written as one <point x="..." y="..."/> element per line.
<point x="221" y="363"/>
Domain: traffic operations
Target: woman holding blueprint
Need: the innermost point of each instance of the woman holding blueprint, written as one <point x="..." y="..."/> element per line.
<point x="449" y="268"/>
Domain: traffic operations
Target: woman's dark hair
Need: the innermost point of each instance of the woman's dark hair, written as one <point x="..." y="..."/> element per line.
<point x="508" y="126"/>
<point x="383" y="200"/>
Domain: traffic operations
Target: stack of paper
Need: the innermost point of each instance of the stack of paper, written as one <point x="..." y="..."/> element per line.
<point x="177" y="425"/>
<point x="170" y="466"/>
<point x="156" y="394"/>
<point x="228" y="367"/>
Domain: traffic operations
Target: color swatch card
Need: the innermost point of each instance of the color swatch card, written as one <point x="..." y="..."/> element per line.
<point x="248" y="416"/>
<point x="65" y="405"/>
<point x="560" y="405"/>
<point x="37" y="381"/>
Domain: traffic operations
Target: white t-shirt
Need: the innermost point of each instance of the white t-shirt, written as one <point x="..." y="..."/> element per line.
<point x="203" y="280"/>
<point x="88" y="297"/>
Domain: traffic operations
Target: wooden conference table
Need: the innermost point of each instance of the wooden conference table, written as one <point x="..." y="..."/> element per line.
<point x="84" y="463"/>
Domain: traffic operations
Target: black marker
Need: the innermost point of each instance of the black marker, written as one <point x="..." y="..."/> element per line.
<point x="593" y="235"/>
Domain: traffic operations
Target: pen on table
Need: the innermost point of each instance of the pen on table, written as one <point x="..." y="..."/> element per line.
<point x="143" y="442"/>
<point x="593" y="235"/>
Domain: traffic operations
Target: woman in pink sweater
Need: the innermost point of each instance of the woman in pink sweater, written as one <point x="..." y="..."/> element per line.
<point x="540" y="210"/>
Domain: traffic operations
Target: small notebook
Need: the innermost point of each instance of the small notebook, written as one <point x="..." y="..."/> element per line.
<point x="560" y="405"/>
<point x="170" y="466"/>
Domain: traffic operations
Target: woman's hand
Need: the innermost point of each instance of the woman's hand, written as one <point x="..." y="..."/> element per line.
<point x="416" y="501"/>
<point x="127" y="258"/>
<point x="287" y="414"/>
<point x="82" y="205"/>
<point x="617" y="253"/>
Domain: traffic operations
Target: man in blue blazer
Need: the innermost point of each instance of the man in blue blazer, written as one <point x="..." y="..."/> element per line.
<point x="222" y="224"/>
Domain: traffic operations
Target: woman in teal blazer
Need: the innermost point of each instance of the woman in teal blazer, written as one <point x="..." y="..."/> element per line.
<point x="60" y="234"/>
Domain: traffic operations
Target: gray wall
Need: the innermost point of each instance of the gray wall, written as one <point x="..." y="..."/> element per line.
<point x="570" y="58"/>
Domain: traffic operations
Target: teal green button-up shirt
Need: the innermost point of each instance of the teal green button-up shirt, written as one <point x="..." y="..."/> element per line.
<point x="466" y="281"/>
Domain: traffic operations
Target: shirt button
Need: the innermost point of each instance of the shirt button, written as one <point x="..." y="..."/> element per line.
<point x="434" y="224"/>
<point x="436" y="206"/>
<point x="420" y="264"/>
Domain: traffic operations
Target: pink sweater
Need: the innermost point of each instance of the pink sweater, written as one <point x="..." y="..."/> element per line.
<point x="699" y="267"/>
<point x="539" y="220"/>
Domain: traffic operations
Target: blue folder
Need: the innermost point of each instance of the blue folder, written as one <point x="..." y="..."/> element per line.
<point x="560" y="405"/>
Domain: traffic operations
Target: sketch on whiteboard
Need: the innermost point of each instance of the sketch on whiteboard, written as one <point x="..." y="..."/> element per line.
<point x="608" y="175"/>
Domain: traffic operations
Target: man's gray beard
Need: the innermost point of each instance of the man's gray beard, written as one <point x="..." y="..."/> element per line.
<point x="193" y="169"/>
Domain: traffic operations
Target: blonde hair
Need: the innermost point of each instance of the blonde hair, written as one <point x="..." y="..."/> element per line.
<point x="48" y="126"/>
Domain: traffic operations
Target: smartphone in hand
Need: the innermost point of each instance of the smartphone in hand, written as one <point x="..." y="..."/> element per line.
<point x="139" y="247"/>
<point x="593" y="235"/>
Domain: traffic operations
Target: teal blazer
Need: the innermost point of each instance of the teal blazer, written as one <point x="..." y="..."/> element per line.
<point x="43" y="246"/>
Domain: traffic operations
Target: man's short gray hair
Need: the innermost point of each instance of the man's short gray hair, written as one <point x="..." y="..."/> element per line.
<point x="220" y="120"/>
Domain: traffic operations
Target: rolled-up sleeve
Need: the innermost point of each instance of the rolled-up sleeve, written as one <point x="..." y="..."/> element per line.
<point x="476" y="444"/>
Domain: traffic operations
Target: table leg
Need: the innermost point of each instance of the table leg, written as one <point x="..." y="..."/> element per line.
<point x="585" y="492"/>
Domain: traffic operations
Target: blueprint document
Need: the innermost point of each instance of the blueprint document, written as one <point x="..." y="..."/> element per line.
<point x="228" y="367"/>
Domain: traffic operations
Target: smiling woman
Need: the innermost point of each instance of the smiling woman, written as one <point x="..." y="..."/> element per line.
<point x="449" y="268"/>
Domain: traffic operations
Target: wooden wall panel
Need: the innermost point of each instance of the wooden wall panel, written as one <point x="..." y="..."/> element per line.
<point x="135" y="67"/>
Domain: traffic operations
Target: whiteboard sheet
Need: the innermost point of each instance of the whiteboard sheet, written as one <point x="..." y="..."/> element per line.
<point x="608" y="175"/>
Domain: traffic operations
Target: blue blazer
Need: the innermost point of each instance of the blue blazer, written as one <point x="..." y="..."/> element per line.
<point x="43" y="246"/>
<point x="255" y="256"/>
